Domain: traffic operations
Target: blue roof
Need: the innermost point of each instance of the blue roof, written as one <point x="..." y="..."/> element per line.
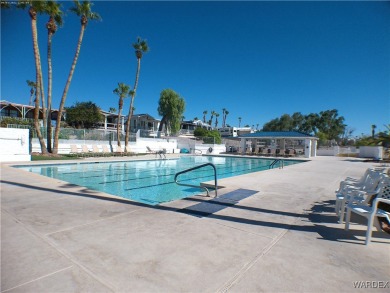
<point x="278" y="134"/>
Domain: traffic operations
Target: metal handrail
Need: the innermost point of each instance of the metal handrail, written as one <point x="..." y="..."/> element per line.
<point x="276" y="161"/>
<point x="201" y="187"/>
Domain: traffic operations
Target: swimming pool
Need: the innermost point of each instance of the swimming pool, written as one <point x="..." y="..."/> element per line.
<point x="151" y="181"/>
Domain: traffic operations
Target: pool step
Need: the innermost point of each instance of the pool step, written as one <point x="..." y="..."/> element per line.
<point x="214" y="205"/>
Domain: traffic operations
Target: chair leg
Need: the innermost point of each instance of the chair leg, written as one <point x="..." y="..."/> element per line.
<point x="370" y="224"/>
<point x="342" y="211"/>
<point x="337" y="207"/>
<point x="347" y="219"/>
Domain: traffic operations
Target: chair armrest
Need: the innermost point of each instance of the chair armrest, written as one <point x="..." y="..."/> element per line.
<point x="378" y="200"/>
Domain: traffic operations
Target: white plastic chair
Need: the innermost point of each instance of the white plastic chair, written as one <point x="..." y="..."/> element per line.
<point x="354" y="181"/>
<point x="371" y="212"/>
<point x="368" y="185"/>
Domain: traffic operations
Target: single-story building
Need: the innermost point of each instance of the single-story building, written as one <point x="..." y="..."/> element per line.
<point x="282" y="141"/>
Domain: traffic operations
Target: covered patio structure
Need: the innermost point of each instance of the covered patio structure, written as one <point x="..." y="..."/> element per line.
<point x="279" y="143"/>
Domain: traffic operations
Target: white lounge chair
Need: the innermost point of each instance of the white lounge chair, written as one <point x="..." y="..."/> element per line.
<point x="96" y="151"/>
<point x="119" y="151"/>
<point x="85" y="150"/>
<point x="106" y="151"/>
<point x="74" y="150"/>
<point x="371" y="212"/>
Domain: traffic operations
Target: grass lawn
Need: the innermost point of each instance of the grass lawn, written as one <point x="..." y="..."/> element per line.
<point x="58" y="157"/>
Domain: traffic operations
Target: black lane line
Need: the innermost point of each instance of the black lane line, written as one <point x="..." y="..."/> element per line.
<point x="121" y="168"/>
<point x="171" y="182"/>
<point x="170" y="174"/>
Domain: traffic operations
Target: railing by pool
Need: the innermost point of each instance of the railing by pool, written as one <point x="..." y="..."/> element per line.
<point x="196" y="186"/>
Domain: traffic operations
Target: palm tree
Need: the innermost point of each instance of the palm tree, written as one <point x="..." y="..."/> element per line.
<point x="84" y="12"/>
<point x="36" y="7"/>
<point x="216" y="120"/>
<point x="140" y="47"/>
<point x="53" y="9"/>
<point x="224" y="118"/>
<point x="373" y="130"/>
<point x="239" y="121"/>
<point x="204" y="116"/>
<point x="112" y="110"/>
<point x="33" y="89"/>
<point x="211" y="117"/>
<point x="123" y="91"/>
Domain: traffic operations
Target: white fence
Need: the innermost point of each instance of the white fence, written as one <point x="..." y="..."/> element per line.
<point x="375" y="152"/>
<point x="14" y="145"/>
<point x="336" y="150"/>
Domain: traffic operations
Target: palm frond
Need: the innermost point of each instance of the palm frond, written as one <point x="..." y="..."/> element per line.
<point x="141" y="45"/>
<point x="54" y="10"/>
<point x="84" y="9"/>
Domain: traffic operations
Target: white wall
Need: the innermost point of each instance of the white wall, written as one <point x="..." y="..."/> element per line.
<point x="14" y="145"/>
<point x="155" y="144"/>
<point x="375" y="152"/>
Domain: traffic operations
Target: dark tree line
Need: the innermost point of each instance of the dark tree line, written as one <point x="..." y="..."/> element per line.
<point x="326" y="124"/>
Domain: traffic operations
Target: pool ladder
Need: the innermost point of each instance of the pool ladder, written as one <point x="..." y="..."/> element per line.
<point x="196" y="186"/>
<point x="280" y="161"/>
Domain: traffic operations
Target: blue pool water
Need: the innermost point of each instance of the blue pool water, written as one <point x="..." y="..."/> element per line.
<point x="151" y="182"/>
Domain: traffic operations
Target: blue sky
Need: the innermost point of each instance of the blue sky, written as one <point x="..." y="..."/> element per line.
<point x="259" y="60"/>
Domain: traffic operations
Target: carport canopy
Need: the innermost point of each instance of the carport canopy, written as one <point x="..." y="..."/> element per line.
<point x="301" y="142"/>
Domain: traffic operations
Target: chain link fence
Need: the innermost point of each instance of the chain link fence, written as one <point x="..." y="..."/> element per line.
<point x="77" y="134"/>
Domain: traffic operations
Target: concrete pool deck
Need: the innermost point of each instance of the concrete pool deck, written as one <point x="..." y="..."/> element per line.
<point x="281" y="236"/>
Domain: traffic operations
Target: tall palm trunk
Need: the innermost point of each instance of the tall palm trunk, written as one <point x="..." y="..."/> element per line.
<point x="43" y="101"/>
<point x="119" y="122"/>
<point x="63" y="98"/>
<point x="49" y="89"/>
<point x="38" y="79"/>
<point x="132" y="102"/>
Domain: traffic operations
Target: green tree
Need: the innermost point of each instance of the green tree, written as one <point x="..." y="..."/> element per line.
<point x="331" y="124"/>
<point x="53" y="9"/>
<point x="204" y="116"/>
<point x="224" y="115"/>
<point x="112" y="110"/>
<point x="216" y="120"/>
<point x="85" y="13"/>
<point x="297" y="121"/>
<point x="33" y="88"/>
<point x="384" y="137"/>
<point x="123" y="91"/>
<point x="84" y="115"/>
<point x="171" y="107"/>
<point x="208" y="136"/>
<point x="310" y="123"/>
<point x="141" y="47"/>
<point x="373" y="127"/>
<point x="211" y="118"/>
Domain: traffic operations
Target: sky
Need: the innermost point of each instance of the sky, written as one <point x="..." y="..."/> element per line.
<point x="259" y="59"/>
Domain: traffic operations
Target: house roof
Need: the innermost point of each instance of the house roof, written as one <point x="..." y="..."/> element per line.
<point x="278" y="134"/>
